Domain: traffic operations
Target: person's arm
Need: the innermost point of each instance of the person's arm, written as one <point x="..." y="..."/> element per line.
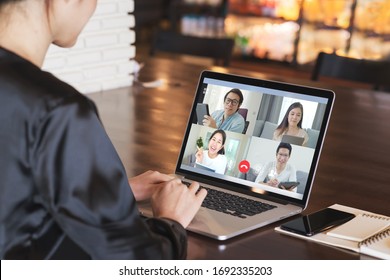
<point x="306" y="138"/>
<point x="86" y="191"/>
<point x="277" y="136"/>
<point x="199" y="155"/>
<point x="210" y="121"/>
<point x="263" y="173"/>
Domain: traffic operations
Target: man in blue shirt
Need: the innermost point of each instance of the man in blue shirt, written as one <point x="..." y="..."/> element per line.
<point x="228" y="118"/>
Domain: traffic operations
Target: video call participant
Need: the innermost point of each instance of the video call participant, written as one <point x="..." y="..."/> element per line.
<point x="228" y="119"/>
<point x="64" y="191"/>
<point x="292" y="124"/>
<point x="214" y="157"/>
<point x="279" y="170"/>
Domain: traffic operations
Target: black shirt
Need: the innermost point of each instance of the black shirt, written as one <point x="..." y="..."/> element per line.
<point x="63" y="189"/>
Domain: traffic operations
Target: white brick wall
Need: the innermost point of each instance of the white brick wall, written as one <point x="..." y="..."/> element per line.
<point x="102" y="57"/>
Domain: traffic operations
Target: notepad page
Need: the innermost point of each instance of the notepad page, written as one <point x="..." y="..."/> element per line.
<point x="361" y="227"/>
<point x="378" y="246"/>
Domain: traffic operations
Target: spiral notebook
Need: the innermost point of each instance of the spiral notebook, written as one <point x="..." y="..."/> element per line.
<point x="377" y="246"/>
<point x="361" y="227"/>
<point x="368" y="233"/>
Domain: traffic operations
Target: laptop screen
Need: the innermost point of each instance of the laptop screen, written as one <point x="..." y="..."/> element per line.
<point x="239" y="143"/>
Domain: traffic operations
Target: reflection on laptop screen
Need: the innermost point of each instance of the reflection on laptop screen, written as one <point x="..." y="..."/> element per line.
<point x="252" y="150"/>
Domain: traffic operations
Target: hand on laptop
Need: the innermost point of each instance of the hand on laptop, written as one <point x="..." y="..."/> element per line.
<point x="178" y="202"/>
<point x="273" y="182"/>
<point x="145" y="184"/>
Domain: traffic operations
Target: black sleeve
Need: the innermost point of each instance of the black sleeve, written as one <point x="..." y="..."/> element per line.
<point x="175" y="231"/>
<point x="86" y="190"/>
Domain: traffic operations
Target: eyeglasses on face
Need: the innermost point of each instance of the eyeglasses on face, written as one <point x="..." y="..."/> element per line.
<point x="234" y="102"/>
<point x="283" y="155"/>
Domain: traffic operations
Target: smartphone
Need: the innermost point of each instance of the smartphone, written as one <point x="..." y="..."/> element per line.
<point x="202" y="109"/>
<point x="318" y="221"/>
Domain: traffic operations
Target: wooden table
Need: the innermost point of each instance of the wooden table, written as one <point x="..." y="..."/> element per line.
<point x="146" y="126"/>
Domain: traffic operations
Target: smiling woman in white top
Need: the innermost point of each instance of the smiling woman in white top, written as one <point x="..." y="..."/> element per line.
<point x="214" y="157"/>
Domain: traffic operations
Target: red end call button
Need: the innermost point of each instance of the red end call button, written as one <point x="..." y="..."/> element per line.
<point x="244" y="166"/>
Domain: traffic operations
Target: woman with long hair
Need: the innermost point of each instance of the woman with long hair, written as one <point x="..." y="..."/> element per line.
<point x="65" y="192"/>
<point x="292" y="124"/>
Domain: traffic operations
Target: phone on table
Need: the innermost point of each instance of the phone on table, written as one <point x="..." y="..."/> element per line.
<point x="202" y="109"/>
<point x="318" y="221"/>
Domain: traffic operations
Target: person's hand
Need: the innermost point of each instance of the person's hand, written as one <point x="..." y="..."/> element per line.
<point x="282" y="187"/>
<point x="178" y="202"/>
<point x="199" y="155"/>
<point x="209" y="121"/>
<point x="145" y="184"/>
<point x="273" y="183"/>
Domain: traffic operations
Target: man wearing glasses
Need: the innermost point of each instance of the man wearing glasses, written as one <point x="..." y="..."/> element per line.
<point x="228" y="118"/>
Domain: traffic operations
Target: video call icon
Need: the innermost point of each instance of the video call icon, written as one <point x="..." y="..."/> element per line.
<point x="244" y="166"/>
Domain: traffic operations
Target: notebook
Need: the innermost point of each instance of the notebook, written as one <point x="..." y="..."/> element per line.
<point x="377" y="246"/>
<point x="368" y="233"/>
<point x="361" y="227"/>
<point x="258" y="204"/>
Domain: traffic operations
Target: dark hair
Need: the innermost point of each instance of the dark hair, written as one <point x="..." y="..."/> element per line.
<point x="2" y="2"/>
<point x="284" y="123"/>
<point x="284" y="145"/>
<point x="236" y="91"/>
<point x="221" y="151"/>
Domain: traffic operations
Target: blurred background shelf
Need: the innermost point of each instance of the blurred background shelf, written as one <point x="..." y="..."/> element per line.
<point x="297" y="30"/>
<point x="287" y="31"/>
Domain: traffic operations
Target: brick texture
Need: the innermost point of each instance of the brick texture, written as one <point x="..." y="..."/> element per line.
<point x="102" y="57"/>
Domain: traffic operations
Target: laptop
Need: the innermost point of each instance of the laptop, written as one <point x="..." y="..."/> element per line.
<point x="247" y="154"/>
<point x="295" y="140"/>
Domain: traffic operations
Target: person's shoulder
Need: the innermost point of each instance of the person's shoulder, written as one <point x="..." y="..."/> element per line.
<point x="27" y="82"/>
<point x="217" y="113"/>
<point x="56" y="92"/>
<point x="277" y="135"/>
<point x="238" y="116"/>
<point x="267" y="166"/>
<point x="303" y="132"/>
<point x="291" y="167"/>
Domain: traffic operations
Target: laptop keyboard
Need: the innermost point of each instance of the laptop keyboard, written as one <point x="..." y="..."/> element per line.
<point x="233" y="204"/>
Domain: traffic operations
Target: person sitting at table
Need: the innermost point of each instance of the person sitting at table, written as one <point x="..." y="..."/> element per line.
<point x="228" y="119"/>
<point x="64" y="191"/>
<point x="291" y="124"/>
<point x="214" y="157"/>
<point x="275" y="172"/>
